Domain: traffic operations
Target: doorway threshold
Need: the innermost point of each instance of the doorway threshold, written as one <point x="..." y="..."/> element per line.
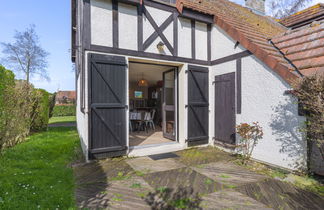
<point x="154" y="149"/>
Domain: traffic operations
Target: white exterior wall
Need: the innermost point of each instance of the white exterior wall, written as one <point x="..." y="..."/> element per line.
<point x="101" y="22"/>
<point x="127" y="17"/>
<point x="222" y="45"/>
<point x="201" y="40"/>
<point x="82" y="118"/>
<point x="264" y="101"/>
<point x="102" y="30"/>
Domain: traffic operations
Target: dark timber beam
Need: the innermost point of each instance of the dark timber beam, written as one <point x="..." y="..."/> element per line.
<point x="209" y="27"/>
<point x="239" y="85"/>
<point x="135" y="53"/>
<point x="155" y="35"/>
<point x="140" y="27"/>
<point x="193" y="39"/>
<point x="175" y="33"/>
<point x="115" y="23"/>
<point x="156" y="28"/>
<point x="191" y="14"/>
<point x="231" y="57"/>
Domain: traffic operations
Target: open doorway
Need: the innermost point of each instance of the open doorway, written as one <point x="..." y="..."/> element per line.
<point x="152" y="104"/>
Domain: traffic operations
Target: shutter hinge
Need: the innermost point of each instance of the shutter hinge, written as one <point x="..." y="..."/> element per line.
<point x="186" y="106"/>
<point x="126" y="106"/>
<point x="186" y="71"/>
<point x="213" y="83"/>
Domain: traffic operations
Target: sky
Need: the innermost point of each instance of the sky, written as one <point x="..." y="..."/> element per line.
<point x="52" y="21"/>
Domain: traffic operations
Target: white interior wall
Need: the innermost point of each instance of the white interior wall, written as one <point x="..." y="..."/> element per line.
<point x="101" y="22"/>
<point x="201" y="40"/>
<point x="127" y="17"/>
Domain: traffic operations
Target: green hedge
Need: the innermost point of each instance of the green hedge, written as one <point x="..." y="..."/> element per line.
<point x="40" y="112"/>
<point x="60" y="111"/>
<point x="22" y="109"/>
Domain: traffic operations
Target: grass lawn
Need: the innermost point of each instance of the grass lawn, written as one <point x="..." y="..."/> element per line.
<point x="65" y="119"/>
<point x="36" y="174"/>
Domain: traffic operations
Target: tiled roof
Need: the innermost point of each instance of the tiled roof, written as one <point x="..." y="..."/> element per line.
<point x="303" y="17"/>
<point x="252" y="31"/>
<point x="304" y="47"/>
<point x="67" y="94"/>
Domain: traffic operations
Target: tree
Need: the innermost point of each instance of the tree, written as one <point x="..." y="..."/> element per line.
<point x="310" y="93"/>
<point x="283" y="8"/>
<point x="26" y="55"/>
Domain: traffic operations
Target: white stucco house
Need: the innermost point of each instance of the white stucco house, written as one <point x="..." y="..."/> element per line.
<point x="160" y="76"/>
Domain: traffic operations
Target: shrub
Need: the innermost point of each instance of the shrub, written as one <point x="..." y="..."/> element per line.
<point x="250" y="135"/>
<point x="40" y="110"/>
<point x="310" y="93"/>
<point x="64" y="110"/>
<point x="14" y="109"/>
<point x="51" y="104"/>
<point x="22" y="108"/>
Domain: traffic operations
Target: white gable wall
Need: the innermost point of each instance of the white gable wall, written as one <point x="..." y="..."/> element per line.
<point x="264" y="101"/>
<point x="222" y="45"/>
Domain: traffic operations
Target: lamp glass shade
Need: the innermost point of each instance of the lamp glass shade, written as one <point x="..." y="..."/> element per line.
<point x="142" y="83"/>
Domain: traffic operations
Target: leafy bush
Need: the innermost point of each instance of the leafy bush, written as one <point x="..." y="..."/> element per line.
<point x="51" y="104"/>
<point x="40" y="111"/>
<point x="250" y="135"/>
<point x="64" y="110"/>
<point x="310" y="93"/>
<point x="22" y="108"/>
<point x="15" y="109"/>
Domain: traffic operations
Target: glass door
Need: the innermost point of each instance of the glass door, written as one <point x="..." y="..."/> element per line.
<point x="169" y="104"/>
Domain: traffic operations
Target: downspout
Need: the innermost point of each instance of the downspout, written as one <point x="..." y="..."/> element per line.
<point x="289" y="61"/>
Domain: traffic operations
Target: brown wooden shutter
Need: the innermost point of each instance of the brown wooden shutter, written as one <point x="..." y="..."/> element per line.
<point x="107" y="101"/>
<point x="225" y="115"/>
<point x="198" y="105"/>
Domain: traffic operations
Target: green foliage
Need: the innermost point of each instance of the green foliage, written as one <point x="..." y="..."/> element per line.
<point x="22" y="108"/>
<point x="40" y="112"/>
<point x="310" y="94"/>
<point x="179" y="198"/>
<point x="35" y="174"/>
<point x="14" y="109"/>
<point x="51" y="104"/>
<point x="68" y="110"/>
<point x="66" y="119"/>
<point x="249" y="137"/>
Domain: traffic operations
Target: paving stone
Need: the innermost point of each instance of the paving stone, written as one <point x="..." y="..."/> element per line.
<point x="228" y="173"/>
<point x="121" y="194"/>
<point x="182" y="177"/>
<point x="203" y="155"/>
<point x="282" y="195"/>
<point x="147" y="165"/>
<point x="230" y="199"/>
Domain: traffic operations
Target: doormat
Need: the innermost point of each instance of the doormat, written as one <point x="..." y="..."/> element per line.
<point x="163" y="156"/>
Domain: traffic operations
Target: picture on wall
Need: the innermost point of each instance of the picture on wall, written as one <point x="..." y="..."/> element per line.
<point x="138" y="94"/>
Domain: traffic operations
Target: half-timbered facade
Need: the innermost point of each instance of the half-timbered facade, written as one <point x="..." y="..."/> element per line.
<point x="204" y="78"/>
